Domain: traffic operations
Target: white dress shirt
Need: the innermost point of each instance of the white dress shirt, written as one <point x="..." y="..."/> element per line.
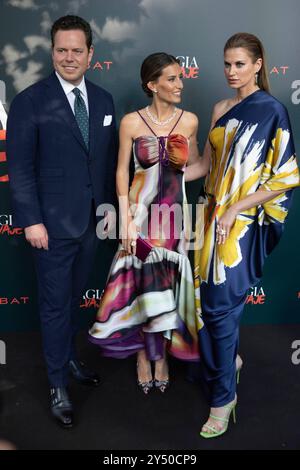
<point x="3" y="116"/>
<point x="68" y="89"/>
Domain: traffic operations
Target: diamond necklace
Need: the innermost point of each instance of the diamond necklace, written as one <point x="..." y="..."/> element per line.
<point x="156" y="121"/>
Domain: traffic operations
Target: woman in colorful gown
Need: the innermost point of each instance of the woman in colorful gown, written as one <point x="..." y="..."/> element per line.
<point x="148" y="307"/>
<point x="253" y="170"/>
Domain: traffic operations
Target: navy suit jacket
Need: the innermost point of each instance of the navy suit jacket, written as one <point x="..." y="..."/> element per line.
<point x="53" y="177"/>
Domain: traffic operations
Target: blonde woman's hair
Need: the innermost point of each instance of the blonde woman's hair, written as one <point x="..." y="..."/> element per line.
<point x="255" y="48"/>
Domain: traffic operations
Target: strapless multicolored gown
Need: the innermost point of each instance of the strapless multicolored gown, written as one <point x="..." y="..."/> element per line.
<point x="142" y="300"/>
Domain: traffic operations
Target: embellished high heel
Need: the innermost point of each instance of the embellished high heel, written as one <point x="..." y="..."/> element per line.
<point x="145" y="387"/>
<point x="162" y="385"/>
<point x="213" y="431"/>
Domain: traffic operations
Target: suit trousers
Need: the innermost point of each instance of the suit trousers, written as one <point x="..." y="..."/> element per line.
<point x="62" y="274"/>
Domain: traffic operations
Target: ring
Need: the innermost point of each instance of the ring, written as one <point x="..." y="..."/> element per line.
<point x="222" y="231"/>
<point x="133" y="243"/>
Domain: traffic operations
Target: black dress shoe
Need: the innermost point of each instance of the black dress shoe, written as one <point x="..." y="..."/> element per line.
<point x="82" y="375"/>
<point x="61" y="406"/>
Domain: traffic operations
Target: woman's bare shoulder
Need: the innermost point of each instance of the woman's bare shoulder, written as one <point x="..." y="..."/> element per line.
<point x="190" y="118"/>
<point x="190" y="121"/>
<point x="130" y="118"/>
<point x="221" y="108"/>
<point x="130" y="123"/>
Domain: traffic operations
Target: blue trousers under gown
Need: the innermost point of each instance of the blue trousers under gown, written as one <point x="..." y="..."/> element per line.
<point x="222" y="307"/>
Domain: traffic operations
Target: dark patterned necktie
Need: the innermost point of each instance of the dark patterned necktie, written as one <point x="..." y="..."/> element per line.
<point x="81" y="116"/>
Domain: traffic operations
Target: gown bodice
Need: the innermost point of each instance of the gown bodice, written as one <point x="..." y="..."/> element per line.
<point x="171" y="150"/>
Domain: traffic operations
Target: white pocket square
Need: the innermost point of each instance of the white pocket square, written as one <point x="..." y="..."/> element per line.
<point x="107" y="120"/>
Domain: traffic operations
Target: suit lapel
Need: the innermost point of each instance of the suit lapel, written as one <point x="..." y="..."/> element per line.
<point x="60" y="107"/>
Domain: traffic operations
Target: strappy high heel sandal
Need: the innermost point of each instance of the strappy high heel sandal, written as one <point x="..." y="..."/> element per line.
<point x="215" y="432"/>
<point x="239" y="365"/>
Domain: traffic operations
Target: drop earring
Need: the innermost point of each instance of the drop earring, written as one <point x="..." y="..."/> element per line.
<point x="256" y="78"/>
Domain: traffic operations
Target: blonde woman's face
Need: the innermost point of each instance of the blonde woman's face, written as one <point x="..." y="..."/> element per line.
<point x="239" y="68"/>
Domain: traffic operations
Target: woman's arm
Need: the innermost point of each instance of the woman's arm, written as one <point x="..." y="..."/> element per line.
<point x="199" y="166"/>
<point x="128" y="228"/>
<point x="228" y="218"/>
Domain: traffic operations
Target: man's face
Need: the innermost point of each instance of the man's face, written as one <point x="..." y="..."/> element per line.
<point x="70" y="55"/>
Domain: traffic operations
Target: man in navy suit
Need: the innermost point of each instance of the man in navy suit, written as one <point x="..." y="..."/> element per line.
<point x="61" y="152"/>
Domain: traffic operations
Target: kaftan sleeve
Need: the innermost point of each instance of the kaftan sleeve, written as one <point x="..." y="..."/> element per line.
<point x="280" y="171"/>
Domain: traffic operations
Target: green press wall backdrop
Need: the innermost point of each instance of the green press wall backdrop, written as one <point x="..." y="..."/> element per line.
<point x="125" y="32"/>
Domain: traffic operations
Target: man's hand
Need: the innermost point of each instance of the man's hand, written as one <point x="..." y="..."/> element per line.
<point x="37" y="236"/>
